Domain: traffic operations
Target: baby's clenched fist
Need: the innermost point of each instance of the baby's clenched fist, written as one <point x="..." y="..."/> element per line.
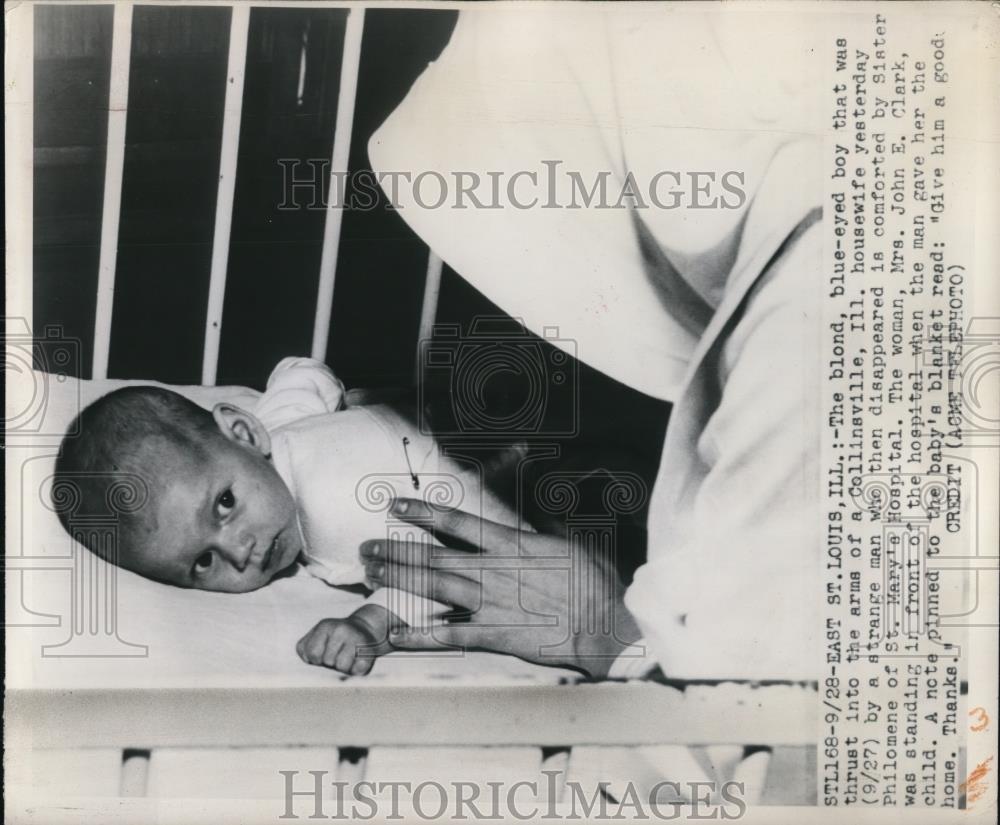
<point x="348" y="645"/>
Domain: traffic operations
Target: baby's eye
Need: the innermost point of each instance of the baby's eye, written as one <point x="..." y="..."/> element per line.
<point x="226" y="503"/>
<point x="204" y="561"/>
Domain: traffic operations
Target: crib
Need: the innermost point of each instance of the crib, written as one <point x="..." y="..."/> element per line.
<point x="107" y="749"/>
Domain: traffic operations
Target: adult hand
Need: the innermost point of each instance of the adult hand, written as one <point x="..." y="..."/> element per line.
<point x="526" y="594"/>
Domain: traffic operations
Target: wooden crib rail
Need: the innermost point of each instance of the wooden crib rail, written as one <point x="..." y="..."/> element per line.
<point x="355" y="713"/>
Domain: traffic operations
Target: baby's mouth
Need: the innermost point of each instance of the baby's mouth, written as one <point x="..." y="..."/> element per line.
<point x="265" y="562"/>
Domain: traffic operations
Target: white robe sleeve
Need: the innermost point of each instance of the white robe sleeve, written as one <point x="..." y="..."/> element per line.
<point x="731" y="588"/>
<point x="298" y="388"/>
<point x="551" y="106"/>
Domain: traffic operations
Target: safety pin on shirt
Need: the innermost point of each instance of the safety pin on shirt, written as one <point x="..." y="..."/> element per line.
<point x="413" y="475"/>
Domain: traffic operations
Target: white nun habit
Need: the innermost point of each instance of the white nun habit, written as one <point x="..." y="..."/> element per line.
<point x="714" y="309"/>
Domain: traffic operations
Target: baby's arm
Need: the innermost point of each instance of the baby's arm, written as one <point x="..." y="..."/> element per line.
<point x="348" y="645"/>
<point x="298" y="388"/>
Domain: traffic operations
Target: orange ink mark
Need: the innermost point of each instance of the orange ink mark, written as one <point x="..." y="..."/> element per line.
<point x="975" y="786"/>
<point x="983" y="720"/>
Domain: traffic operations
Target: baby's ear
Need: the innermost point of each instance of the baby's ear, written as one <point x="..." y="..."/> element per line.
<point x="243" y="427"/>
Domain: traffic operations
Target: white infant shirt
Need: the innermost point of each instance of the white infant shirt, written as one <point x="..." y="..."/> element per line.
<point x="343" y="467"/>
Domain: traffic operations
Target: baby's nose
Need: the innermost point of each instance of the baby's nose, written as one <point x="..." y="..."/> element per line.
<point x="238" y="549"/>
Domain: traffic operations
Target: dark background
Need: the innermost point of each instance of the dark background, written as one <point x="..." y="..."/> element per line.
<point x="173" y="136"/>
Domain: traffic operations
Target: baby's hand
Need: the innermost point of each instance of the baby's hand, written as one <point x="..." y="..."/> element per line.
<point x="348" y="645"/>
<point x="343" y="644"/>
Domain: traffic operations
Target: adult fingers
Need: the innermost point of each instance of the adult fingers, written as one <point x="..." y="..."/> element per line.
<point x="436" y="637"/>
<point x="413" y="553"/>
<point x="437" y="585"/>
<point x="456" y="524"/>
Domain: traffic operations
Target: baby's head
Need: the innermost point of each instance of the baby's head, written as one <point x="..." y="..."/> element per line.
<point x="217" y="517"/>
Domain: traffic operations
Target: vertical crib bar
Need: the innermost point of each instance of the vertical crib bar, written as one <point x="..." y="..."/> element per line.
<point x="134" y="777"/>
<point x="350" y="63"/>
<point x="19" y="103"/>
<point x="239" y="28"/>
<point x="428" y="311"/>
<point x="121" y="49"/>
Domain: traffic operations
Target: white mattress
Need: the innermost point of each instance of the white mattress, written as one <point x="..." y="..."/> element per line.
<point x="170" y="637"/>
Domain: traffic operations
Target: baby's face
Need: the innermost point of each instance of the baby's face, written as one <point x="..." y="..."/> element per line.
<point x="224" y="520"/>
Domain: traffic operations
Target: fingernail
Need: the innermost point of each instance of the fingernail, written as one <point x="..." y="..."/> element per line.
<point x="374" y="571"/>
<point x="372" y="550"/>
<point x="400" y="506"/>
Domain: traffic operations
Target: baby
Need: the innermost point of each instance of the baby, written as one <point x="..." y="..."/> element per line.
<point x="238" y="497"/>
